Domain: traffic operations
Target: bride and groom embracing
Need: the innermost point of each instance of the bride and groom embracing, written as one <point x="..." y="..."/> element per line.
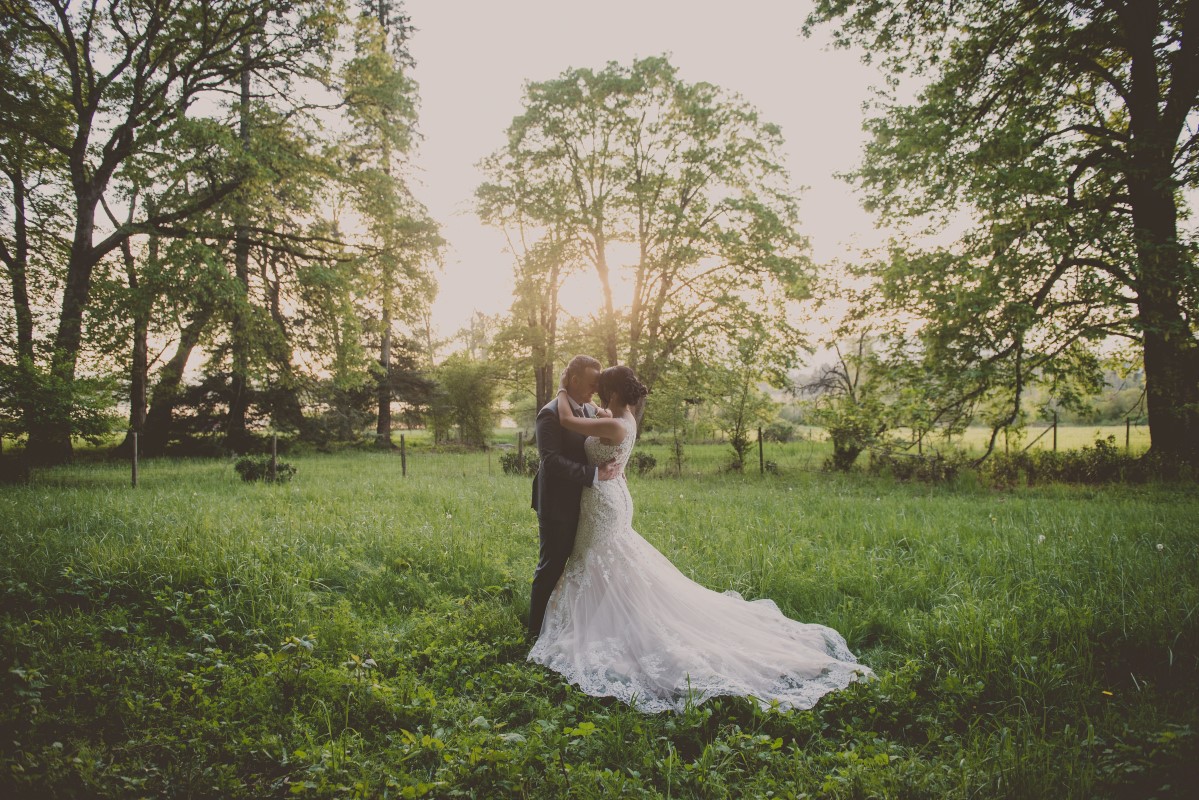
<point x="613" y="615"/>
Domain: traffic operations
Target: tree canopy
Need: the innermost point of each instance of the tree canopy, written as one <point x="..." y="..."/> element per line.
<point x="1065" y="133"/>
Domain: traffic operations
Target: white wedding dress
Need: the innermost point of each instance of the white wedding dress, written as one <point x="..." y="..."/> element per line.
<point x="624" y="622"/>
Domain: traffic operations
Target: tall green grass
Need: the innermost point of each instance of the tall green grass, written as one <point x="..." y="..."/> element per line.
<point x="197" y="637"/>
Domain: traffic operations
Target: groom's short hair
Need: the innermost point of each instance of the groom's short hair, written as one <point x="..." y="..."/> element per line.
<point x="577" y="366"/>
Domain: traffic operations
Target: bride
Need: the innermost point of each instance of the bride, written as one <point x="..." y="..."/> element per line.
<point x="624" y="622"/>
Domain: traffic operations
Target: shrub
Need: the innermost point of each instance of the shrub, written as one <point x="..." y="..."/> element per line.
<point x="258" y="468"/>
<point x="780" y="431"/>
<point x="512" y="464"/>
<point x="642" y="463"/>
<point x="1103" y="463"/>
<point x="933" y="468"/>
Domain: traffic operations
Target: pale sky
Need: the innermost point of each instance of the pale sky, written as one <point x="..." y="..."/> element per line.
<point x="473" y="58"/>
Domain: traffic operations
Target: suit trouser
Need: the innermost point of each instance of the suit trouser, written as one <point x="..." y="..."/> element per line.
<point x="557" y="540"/>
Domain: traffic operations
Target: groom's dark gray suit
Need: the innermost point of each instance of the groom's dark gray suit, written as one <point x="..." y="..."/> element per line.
<point x="557" y="487"/>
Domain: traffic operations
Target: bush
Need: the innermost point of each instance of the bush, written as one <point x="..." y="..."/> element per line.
<point x="512" y="464"/>
<point x="258" y="468"/>
<point x="934" y="468"/>
<point x="1103" y="463"/>
<point x="642" y="463"/>
<point x="780" y="431"/>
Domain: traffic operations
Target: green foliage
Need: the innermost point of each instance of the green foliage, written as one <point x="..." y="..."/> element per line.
<point x="464" y="397"/>
<point x="1102" y="463"/>
<point x="688" y="173"/>
<point x="642" y="463"/>
<point x="780" y="431"/>
<point x="514" y="463"/>
<point x="757" y="356"/>
<point x="1070" y="218"/>
<point x="932" y="468"/>
<point x="31" y="395"/>
<point x="258" y="468"/>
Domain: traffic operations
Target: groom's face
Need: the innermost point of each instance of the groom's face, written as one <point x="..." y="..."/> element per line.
<point x="583" y="385"/>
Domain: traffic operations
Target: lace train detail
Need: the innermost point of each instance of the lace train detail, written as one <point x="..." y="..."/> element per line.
<point x="624" y="622"/>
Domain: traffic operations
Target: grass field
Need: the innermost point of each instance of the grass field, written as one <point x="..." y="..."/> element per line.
<point x="201" y="637"/>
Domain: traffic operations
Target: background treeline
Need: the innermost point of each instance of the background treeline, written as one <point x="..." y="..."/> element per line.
<point x="232" y="179"/>
<point x="225" y="177"/>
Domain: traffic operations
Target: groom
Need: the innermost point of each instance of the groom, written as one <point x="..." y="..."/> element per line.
<point x="560" y="479"/>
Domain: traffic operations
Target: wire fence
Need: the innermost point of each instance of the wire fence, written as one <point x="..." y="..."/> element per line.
<point x="808" y="450"/>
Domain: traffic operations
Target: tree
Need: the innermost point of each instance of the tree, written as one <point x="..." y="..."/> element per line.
<point x="685" y="173"/>
<point x="756" y="356"/>
<point x="849" y="401"/>
<point x="1068" y="131"/>
<point x="100" y="85"/>
<point x="401" y="239"/>
<point x="465" y="396"/>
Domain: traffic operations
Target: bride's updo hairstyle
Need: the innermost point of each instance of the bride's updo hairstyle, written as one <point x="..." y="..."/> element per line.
<point x="621" y="382"/>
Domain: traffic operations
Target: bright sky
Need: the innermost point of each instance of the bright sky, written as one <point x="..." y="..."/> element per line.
<point x="473" y="58"/>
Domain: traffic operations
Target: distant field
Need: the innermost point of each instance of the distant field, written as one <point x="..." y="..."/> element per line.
<point x="201" y="637"/>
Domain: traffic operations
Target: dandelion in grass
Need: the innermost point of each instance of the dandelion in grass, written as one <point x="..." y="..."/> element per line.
<point x="1160" y="547"/>
<point x="1041" y="539"/>
<point x="449" y="515"/>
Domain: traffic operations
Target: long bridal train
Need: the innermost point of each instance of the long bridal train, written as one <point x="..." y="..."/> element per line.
<point x="624" y="622"/>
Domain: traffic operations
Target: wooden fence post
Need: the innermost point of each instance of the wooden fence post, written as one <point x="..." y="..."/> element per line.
<point x="1055" y="431"/>
<point x="761" y="457"/>
<point x="274" y="457"/>
<point x="403" y="458"/>
<point x="135" y="459"/>
<point x="1127" y="431"/>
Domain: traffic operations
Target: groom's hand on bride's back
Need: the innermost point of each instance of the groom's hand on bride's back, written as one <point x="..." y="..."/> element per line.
<point x="607" y="471"/>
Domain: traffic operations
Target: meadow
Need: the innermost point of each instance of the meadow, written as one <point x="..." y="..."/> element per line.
<point x="355" y="633"/>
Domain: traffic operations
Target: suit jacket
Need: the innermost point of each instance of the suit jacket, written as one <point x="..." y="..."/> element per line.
<point x="563" y="471"/>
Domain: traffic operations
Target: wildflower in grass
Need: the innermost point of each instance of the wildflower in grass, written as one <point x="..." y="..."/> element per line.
<point x="448" y="515"/>
<point x="1041" y="539"/>
<point x="1160" y="547"/>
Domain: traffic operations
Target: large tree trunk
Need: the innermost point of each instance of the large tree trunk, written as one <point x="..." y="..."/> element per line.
<point x="601" y="267"/>
<point x="162" y="404"/>
<point x="50" y="435"/>
<point x="287" y="411"/>
<point x="17" y="262"/>
<point x="137" y="380"/>
<point x="1170" y="350"/>
<point x="239" y="399"/>
<point x="18" y="266"/>
<point x="544" y="317"/>
<point x="383" y="427"/>
<point x="140" y="361"/>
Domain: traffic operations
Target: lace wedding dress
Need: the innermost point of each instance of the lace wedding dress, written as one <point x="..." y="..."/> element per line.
<point x="624" y="622"/>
